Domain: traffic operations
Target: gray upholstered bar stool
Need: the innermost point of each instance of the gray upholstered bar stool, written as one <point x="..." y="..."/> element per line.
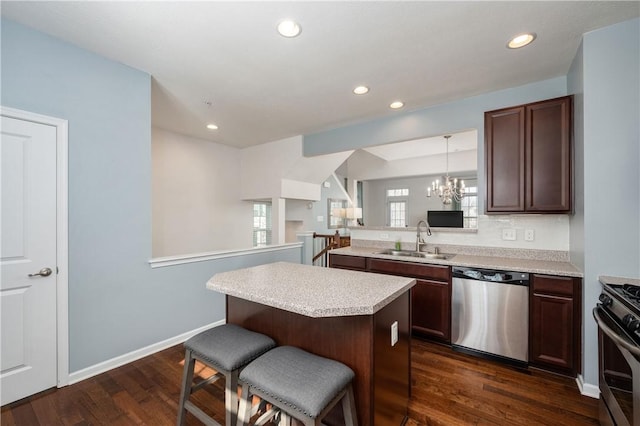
<point x="226" y="349"/>
<point x="299" y="384"/>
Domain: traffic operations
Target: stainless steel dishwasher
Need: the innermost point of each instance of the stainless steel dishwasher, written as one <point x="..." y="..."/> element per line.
<point x="490" y="313"/>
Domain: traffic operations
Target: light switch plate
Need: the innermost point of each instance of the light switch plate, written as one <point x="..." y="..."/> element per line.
<point x="394" y="333"/>
<point x="320" y="218"/>
<point x="509" y="234"/>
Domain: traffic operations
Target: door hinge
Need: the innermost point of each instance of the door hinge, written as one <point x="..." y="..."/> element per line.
<point x="57" y="270"/>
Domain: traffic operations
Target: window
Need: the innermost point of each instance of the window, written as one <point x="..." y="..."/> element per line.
<point x="404" y="192"/>
<point x="397" y="207"/>
<point x="398" y="214"/>
<point x="261" y="224"/>
<point x="336" y="213"/>
<point x="360" y="202"/>
<point x="469" y="207"/>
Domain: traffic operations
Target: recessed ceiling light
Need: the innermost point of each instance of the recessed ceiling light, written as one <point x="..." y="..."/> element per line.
<point x="396" y="105"/>
<point x="361" y="90"/>
<point x="289" y="28"/>
<point x="212" y="126"/>
<point x="521" y="40"/>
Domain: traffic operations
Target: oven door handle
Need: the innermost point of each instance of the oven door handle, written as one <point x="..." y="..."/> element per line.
<point x="613" y="335"/>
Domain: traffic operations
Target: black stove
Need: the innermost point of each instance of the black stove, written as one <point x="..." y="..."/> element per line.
<point x="629" y="293"/>
<point x="618" y="319"/>
<point x="622" y="303"/>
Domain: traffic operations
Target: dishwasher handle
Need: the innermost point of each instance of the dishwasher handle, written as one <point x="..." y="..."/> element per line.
<point x="491" y="275"/>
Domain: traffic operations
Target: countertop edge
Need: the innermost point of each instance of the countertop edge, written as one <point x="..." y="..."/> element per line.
<point x="316" y="313"/>
<point x="565" y="269"/>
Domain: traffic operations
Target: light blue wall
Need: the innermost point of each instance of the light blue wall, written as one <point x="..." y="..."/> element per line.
<point x="455" y="116"/>
<point x="575" y="86"/>
<point x="611" y="86"/>
<point x="117" y="303"/>
<point x="463" y="114"/>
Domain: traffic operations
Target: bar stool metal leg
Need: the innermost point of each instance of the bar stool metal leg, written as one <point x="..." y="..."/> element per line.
<point x="244" y="410"/>
<point x="231" y="397"/>
<point x="349" y="408"/>
<point x="187" y="378"/>
<point x="285" y="419"/>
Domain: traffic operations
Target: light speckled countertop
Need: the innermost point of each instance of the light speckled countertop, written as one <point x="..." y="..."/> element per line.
<point x="312" y="290"/>
<point x="488" y="262"/>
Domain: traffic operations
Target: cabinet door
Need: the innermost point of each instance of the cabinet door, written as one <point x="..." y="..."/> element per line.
<point x="410" y="269"/>
<point x="505" y="159"/>
<point x="548" y="156"/>
<point x="551" y="332"/>
<point x="354" y="263"/>
<point x="431" y="309"/>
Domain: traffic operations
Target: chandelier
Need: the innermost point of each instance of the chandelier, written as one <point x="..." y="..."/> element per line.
<point x="450" y="189"/>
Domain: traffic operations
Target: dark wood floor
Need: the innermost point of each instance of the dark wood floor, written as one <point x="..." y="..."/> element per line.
<point x="449" y="388"/>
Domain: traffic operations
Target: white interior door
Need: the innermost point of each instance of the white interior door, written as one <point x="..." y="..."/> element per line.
<point x="28" y="234"/>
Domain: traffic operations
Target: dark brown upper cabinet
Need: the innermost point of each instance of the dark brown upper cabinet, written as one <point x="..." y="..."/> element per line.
<point x="528" y="158"/>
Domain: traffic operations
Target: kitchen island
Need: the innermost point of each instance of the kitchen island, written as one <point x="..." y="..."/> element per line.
<point x="343" y="315"/>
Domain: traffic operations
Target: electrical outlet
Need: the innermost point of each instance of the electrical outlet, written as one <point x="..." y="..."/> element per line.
<point x="509" y="234"/>
<point x="394" y="333"/>
<point x="384" y="236"/>
<point x="529" y="235"/>
<point x="320" y="218"/>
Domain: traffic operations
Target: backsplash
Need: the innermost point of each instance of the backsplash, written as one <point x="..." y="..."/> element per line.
<point x="550" y="232"/>
<point x="503" y="252"/>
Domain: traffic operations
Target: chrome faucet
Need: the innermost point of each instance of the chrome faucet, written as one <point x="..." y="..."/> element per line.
<point x="419" y="239"/>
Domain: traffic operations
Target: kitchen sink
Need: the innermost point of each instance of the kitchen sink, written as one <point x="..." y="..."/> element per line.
<point x="409" y="253"/>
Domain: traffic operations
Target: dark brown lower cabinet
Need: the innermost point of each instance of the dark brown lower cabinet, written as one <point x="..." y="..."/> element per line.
<point x="354" y="263"/>
<point x="430" y="297"/>
<point x="555" y="309"/>
<point x="431" y="309"/>
<point x="554" y="323"/>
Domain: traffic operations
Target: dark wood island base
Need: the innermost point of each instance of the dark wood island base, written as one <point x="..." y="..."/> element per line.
<point x="382" y="383"/>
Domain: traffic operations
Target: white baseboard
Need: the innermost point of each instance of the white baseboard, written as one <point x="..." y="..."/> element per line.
<point x="587" y="389"/>
<point x="118" y="361"/>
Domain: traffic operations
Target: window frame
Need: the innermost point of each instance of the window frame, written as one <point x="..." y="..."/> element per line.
<point x="466" y="218"/>
<point x="259" y="230"/>
<point x="401" y="197"/>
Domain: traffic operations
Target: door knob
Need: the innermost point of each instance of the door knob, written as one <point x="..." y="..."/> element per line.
<point x="44" y="272"/>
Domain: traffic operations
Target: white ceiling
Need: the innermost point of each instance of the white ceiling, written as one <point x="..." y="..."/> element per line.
<point x="263" y="87"/>
<point x="463" y="141"/>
